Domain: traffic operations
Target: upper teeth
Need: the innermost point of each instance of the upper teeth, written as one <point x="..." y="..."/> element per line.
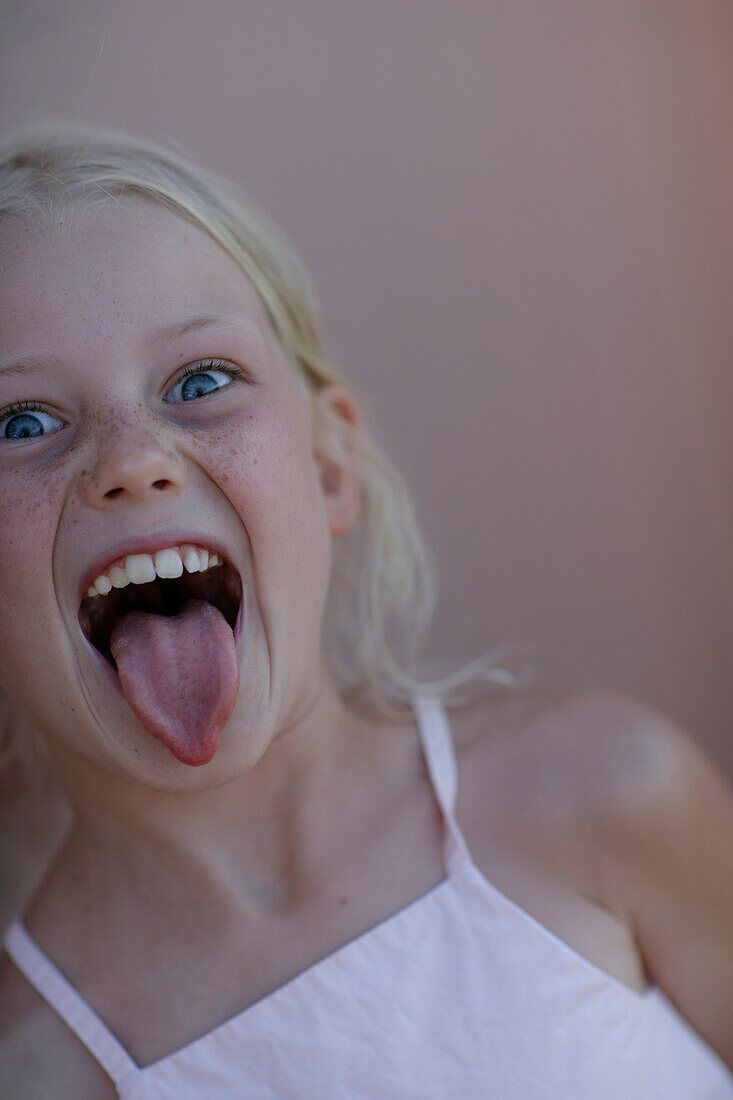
<point x="143" y="568"/>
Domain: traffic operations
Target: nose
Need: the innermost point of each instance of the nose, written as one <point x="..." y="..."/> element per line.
<point x="132" y="467"/>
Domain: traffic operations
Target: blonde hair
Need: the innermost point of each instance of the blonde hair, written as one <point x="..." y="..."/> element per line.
<point x="383" y="586"/>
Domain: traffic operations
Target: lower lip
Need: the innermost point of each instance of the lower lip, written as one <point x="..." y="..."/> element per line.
<point x="107" y="669"/>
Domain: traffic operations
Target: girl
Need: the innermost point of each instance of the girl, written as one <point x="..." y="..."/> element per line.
<point x="288" y="874"/>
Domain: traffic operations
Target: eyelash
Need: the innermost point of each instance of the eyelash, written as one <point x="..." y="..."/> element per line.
<point x="21" y="407"/>
<point x="195" y="368"/>
<point x="208" y="364"/>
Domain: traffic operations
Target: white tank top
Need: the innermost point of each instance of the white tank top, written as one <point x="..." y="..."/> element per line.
<point x="460" y="994"/>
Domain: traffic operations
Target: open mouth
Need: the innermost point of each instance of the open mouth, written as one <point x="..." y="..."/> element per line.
<point x="219" y="586"/>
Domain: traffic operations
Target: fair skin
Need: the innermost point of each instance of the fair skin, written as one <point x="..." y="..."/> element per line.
<point x="260" y="853"/>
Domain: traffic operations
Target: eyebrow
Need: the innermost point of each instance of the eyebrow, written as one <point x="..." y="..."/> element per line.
<point x="192" y="324"/>
<point x="29" y="365"/>
<point x="26" y="365"/>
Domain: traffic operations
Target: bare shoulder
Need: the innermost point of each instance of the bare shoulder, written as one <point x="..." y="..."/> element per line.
<point x="616" y="799"/>
<point x="553" y="757"/>
<point x="669" y="861"/>
<point x="598" y="757"/>
<point x="39" y="1056"/>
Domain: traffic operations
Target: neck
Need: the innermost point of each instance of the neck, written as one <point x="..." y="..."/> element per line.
<point x="261" y="840"/>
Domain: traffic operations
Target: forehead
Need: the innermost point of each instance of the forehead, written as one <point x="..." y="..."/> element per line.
<point x="129" y="263"/>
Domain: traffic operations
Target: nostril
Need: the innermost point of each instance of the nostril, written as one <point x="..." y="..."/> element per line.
<point x="161" y="483"/>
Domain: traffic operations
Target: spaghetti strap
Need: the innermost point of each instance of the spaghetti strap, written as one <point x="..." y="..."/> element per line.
<point x="440" y="757"/>
<point x="48" y="980"/>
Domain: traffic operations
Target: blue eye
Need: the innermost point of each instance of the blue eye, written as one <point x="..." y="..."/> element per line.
<point x="201" y="380"/>
<point x="27" y="421"/>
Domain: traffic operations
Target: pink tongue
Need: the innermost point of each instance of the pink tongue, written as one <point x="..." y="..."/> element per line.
<point x="180" y="675"/>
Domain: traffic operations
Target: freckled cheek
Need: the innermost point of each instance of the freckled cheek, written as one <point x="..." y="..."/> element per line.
<point x="266" y="470"/>
<point x="29" y="510"/>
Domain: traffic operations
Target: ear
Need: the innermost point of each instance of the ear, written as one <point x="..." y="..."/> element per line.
<point x="340" y="484"/>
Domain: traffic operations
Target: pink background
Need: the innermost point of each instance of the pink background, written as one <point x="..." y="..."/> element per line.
<point x="519" y="218"/>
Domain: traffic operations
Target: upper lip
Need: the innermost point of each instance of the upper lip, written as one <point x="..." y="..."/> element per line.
<point x="148" y="544"/>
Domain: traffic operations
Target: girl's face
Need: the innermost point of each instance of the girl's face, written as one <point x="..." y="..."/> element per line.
<point x="160" y="411"/>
